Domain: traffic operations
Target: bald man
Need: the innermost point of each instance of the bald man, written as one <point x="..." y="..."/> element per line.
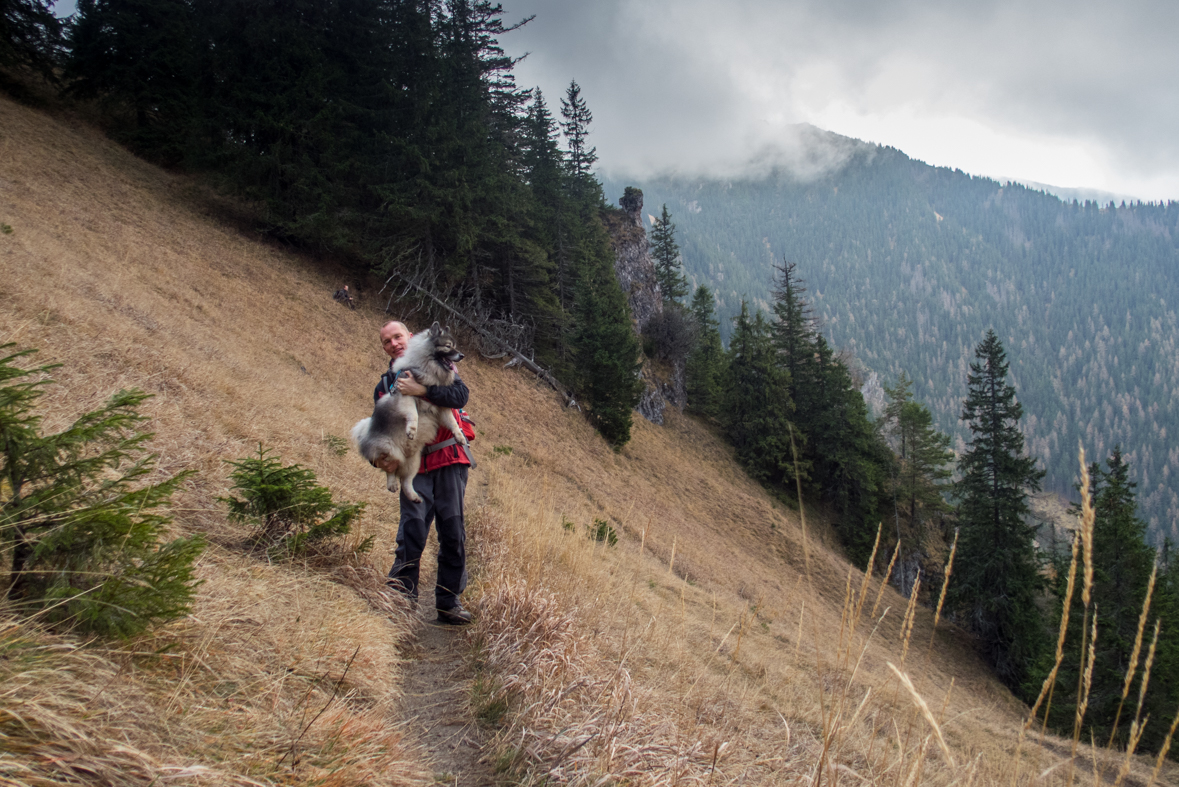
<point x="441" y="483"/>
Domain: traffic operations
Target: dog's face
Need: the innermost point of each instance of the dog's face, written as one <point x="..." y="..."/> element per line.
<point x="445" y="350"/>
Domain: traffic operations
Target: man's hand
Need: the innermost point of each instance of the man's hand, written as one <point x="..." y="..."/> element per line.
<point x="407" y="385"/>
<point x="387" y="463"/>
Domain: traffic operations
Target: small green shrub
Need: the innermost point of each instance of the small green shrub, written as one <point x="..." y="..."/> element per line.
<point x="288" y="509"/>
<point x="81" y="540"/>
<point x="488" y="701"/>
<point x="336" y="444"/>
<point x="566" y="525"/>
<point x="506" y="450"/>
<point x="601" y="530"/>
<point x="6" y="229"/>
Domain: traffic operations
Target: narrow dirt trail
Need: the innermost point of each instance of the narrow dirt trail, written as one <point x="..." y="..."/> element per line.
<point x="435" y="703"/>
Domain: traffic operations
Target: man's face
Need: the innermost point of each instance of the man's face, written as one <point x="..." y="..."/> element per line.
<point x="394" y="339"/>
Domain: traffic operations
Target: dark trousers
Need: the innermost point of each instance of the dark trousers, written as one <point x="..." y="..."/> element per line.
<point x="442" y="493"/>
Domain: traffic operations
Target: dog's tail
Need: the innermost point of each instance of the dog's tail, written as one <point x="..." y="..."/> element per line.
<point x="360" y="432"/>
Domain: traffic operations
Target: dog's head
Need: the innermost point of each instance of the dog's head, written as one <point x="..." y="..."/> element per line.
<point x="445" y="350"/>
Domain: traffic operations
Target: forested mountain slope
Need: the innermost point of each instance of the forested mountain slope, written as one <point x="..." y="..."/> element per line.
<point x="705" y="645"/>
<point x="908" y="265"/>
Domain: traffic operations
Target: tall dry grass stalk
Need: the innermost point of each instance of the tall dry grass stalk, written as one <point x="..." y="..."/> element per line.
<point x="1089" y="622"/>
<point x="1088" y="517"/>
<point x="925" y="712"/>
<point x="884" y="579"/>
<point x="1085" y="681"/>
<point x="806" y="547"/>
<point x="1135" y="652"/>
<point x="868" y="575"/>
<point x="1138" y="726"/>
<point x="1164" y="750"/>
<point x="1050" y="681"/>
<point x="910" y="618"/>
<point x="941" y="599"/>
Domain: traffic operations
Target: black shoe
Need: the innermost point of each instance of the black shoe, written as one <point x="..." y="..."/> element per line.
<point x="455" y="616"/>
<point x="397" y="588"/>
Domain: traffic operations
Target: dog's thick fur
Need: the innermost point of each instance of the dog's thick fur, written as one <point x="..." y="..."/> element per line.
<point x="401" y="426"/>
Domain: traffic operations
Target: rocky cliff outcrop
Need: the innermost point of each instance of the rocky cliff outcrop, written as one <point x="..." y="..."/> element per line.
<point x="632" y="259"/>
<point x="636" y="273"/>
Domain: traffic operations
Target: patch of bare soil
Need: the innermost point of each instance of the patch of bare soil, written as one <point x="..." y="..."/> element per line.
<point x="436" y="700"/>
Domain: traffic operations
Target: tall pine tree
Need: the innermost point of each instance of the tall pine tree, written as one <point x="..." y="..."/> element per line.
<point x="758" y="405"/>
<point x="705" y="369"/>
<point x="848" y="457"/>
<point x="575" y="126"/>
<point x="794" y="330"/>
<point x="30" y="36"/>
<point x="666" y="253"/>
<point x="606" y="351"/>
<point x="139" y="59"/>
<point x="604" y="357"/>
<point x="997" y="570"/>
<point x="922" y="472"/>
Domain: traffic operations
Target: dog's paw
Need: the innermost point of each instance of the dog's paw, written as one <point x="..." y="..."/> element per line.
<point x="412" y="495"/>
<point x="391" y="482"/>
<point x="411" y="431"/>
<point x="461" y="438"/>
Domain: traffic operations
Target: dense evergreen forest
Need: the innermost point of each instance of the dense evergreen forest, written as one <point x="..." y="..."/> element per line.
<point x="390" y="134"/>
<point x="909" y="265"/>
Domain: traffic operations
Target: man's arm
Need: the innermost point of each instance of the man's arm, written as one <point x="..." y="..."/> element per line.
<point x="450" y="396"/>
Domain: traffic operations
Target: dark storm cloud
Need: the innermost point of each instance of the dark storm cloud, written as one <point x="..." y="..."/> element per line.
<point x="693" y="84"/>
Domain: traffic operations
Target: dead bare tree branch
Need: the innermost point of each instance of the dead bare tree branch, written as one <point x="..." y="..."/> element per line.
<point x="504" y="336"/>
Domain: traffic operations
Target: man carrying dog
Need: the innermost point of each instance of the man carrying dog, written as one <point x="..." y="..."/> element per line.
<point x="441" y="483"/>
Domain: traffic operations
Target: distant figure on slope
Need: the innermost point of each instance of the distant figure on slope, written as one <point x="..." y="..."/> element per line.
<point x="441" y="483"/>
<point x="344" y="297"/>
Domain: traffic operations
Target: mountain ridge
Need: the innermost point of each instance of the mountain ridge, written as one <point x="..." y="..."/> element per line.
<point x="909" y="264"/>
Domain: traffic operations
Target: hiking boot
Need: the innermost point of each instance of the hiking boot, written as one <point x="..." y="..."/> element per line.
<point x="455" y="616"/>
<point x="407" y="599"/>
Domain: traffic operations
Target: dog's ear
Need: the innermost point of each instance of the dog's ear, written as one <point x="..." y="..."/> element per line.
<point x="435" y="329"/>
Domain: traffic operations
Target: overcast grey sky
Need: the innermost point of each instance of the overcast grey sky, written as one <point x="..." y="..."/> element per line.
<point x="1075" y="94"/>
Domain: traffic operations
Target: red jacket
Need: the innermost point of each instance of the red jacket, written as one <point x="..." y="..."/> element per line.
<point x="452" y="454"/>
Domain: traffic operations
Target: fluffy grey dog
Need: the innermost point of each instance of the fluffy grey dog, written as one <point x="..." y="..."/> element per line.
<point x="401" y="426"/>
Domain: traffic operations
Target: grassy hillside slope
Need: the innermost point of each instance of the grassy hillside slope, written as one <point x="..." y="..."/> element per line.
<point x="721" y="640"/>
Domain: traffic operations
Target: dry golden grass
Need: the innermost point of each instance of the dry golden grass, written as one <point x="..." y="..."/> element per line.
<point x="751" y="657"/>
<point x="113" y="271"/>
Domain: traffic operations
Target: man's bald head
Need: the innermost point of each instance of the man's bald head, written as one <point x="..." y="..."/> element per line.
<point x="394" y="338"/>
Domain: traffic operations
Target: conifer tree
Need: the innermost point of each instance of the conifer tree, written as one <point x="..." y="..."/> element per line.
<point x="845" y="458"/>
<point x="1122" y="565"/>
<point x="705" y="368"/>
<point x="604" y="357"/>
<point x="30" y="36"/>
<point x="997" y="570"/>
<point x="606" y="351"/>
<point x="848" y="458"/>
<point x="666" y="252"/>
<point x="81" y="530"/>
<point x="575" y="126"/>
<point x="543" y="169"/>
<point x="139" y="59"/>
<point x="794" y="330"/>
<point x="922" y="473"/>
<point x="758" y="404"/>
<point x="543" y="164"/>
